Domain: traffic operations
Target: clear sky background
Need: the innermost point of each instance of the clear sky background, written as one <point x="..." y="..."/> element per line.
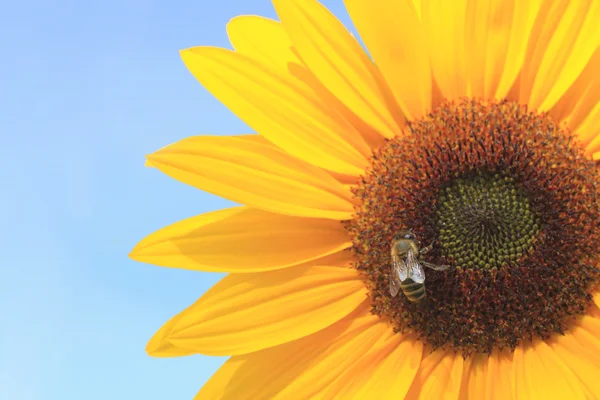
<point x="87" y="88"/>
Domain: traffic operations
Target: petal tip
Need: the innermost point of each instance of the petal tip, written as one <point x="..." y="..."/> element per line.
<point x="134" y="253"/>
<point x="162" y="348"/>
<point x="138" y="250"/>
<point x="160" y="344"/>
<point x="153" y="159"/>
<point x="148" y="163"/>
<point x="235" y="20"/>
<point x="186" y="54"/>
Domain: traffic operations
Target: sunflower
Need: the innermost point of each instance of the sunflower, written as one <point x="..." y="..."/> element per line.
<point x="473" y="124"/>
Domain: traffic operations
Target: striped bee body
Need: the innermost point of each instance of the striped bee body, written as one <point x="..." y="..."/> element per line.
<point x="407" y="269"/>
<point x="414" y="291"/>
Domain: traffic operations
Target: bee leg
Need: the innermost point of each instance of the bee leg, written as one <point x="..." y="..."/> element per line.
<point x="435" y="267"/>
<point x="426" y="249"/>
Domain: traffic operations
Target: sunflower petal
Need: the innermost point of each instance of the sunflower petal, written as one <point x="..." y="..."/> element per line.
<point x="225" y="383"/>
<point x="495" y="45"/>
<point x="159" y="346"/>
<point x="279" y="108"/>
<point x="148" y="163"/>
<point x="397" y="42"/>
<point x="301" y="369"/>
<point x="267" y="41"/>
<point x="338" y="61"/>
<point x="538" y="373"/>
<point x="587" y="334"/>
<point x="463" y="393"/>
<point x="263" y="241"/>
<point x="477" y="48"/>
<point x="256" y="174"/>
<point x="263" y="39"/>
<point x="487" y="32"/>
<point x="439" y="377"/>
<point x="579" y="360"/>
<point x="249" y="312"/>
<point x="589" y="129"/>
<point x="565" y="36"/>
<point x="444" y="22"/>
<point x="508" y="35"/>
<point x="498" y="385"/>
<point x="580" y="100"/>
<point x="474" y="377"/>
<point x="386" y="372"/>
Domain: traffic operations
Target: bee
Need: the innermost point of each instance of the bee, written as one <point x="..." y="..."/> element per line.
<point x="407" y="268"/>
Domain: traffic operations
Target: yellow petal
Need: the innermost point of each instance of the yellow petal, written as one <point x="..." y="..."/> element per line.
<point x="589" y="129"/>
<point x="580" y="361"/>
<point x="241" y="239"/>
<point x="487" y="32"/>
<point x="301" y="369"/>
<point x="594" y="310"/>
<point x="267" y="41"/>
<point x="158" y="346"/>
<point x="580" y="100"/>
<point x="565" y="36"/>
<point x="263" y="39"/>
<point x="338" y="61"/>
<point x="498" y="385"/>
<point x="463" y="393"/>
<point x="587" y="333"/>
<point x="148" y="163"/>
<point x="538" y="373"/>
<point x="477" y="48"/>
<point x="225" y="383"/>
<point x="507" y="53"/>
<point x="253" y="36"/>
<point x="439" y="377"/>
<point x="444" y="22"/>
<point x="256" y="174"/>
<point x="495" y="40"/>
<point x="385" y="372"/>
<point x="279" y="108"/>
<point x="397" y="42"/>
<point x="474" y="377"/>
<point x="418" y="7"/>
<point x="249" y="312"/>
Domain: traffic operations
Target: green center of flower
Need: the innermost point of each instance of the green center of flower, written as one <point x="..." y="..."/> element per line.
<point x="502" y="196"/>
<point x="484" y="221"/>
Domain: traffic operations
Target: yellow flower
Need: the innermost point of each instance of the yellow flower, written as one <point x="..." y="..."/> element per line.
<point x="474" y="125"/>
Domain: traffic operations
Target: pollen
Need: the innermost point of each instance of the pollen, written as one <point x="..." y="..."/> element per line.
<point x="505" y="197"/>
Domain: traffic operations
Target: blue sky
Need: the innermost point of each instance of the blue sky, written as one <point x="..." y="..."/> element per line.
<point x="87" y="88"/>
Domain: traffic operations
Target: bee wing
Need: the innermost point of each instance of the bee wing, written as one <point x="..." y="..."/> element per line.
<point x="397" y="272"/>
<point x="415" y="270"/>
<point x="435" y="267"/>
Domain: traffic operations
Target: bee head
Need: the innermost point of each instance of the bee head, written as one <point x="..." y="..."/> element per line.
<point x="405" y="235"/>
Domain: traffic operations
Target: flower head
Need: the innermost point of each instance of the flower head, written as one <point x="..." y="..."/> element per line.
<point x="474" y="127"/>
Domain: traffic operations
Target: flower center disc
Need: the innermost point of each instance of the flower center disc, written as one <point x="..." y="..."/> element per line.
<point x="484" y="222"/>
<point x="508" y="200"/>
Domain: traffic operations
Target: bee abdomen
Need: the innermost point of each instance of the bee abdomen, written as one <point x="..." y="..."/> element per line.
<point x="415" y="292"/>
